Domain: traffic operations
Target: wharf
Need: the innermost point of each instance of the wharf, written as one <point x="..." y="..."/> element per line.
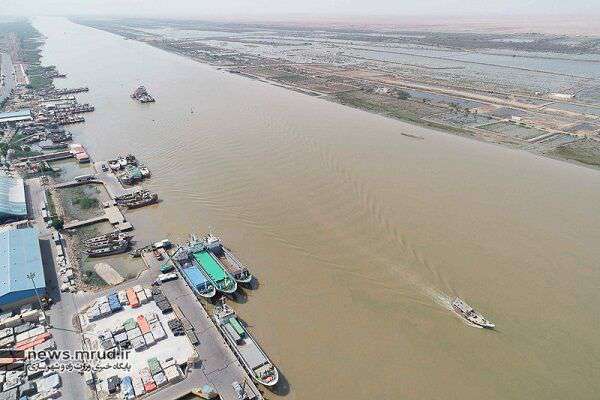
<point x="152" y="262"/>
<point x="112" y="214"/>
<point x="111" y="183"/>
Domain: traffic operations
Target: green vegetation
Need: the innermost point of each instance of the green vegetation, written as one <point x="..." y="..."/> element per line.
<point x="29" y="42"/>
<point x="19" y="150"/>
<point x="584" y="151"/>
<point x="355" y="99"/>
<point x="90" y="277"/>
<point x="393" y="108"/>
<point x="85" y="201"/>
<point x="38" y="81"/>
<point x="401" y="95"/>
<point x="50" y="206"/>
<point x="57" y="223"/>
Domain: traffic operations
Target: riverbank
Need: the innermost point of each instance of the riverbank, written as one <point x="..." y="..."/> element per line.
<point x="356" y="230"/>
<point x="481" y="107"/>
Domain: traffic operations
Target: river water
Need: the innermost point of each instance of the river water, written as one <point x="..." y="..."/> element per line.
<point x="359" y="234"/>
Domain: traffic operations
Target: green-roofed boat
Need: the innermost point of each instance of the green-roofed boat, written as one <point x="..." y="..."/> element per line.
<point x="217" y="275"/>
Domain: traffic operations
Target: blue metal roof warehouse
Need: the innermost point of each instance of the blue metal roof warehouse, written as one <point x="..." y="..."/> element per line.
<point x="20" y="256"/>
<point x="12" y="198"/>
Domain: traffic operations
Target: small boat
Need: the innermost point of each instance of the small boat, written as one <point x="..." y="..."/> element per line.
<point x="114" y="248"/>
<point x="226" y="258"/>
<point x="247" y="350"/>
<point x="132" y="196"/>
<point x="141" y="202"/>
<point x="468" y="313"/>
<point x="54" y="146"/>
<point x="145" y="172"/>
<point x="131" y="159"/>
<point x="114" y="165"/>
<point x="107" y="236"/>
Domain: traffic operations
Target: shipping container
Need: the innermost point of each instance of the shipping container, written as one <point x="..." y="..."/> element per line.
<point x="154" y="365"/>
<point x="127" y="388"/>
<point x="104" y="310"/>
<point x="160" y="379"/>
<point x="149" y="339"/>
<point x="138" y="386"/>
<point x="143" y="324"/>
<point x="132" y="298"/>
<point x="142" y="297"/>
<point x="129" y="324"/>
<point x="158" y="332"/>
<point x="122" y="296"/>
<point x="173" y="373"/>
<point x="134" y="333"/>
<point x="138" y="343"/>
<point x="148" y="293"/>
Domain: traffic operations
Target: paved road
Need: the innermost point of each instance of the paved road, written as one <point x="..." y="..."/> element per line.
<point x="9" y="78"/>
<point x="65" y="304"/>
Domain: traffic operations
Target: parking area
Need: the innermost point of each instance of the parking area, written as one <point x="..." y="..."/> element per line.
<point x="140" y="333"/>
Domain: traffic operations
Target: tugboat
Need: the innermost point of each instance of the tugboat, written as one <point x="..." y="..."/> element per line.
<point x="468" y="313"/>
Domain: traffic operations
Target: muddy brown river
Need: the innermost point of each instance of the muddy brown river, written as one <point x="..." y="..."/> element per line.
<point x="359" y="235"/>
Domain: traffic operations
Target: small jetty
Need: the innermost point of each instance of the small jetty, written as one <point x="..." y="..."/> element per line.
<point x="141" y="94"/>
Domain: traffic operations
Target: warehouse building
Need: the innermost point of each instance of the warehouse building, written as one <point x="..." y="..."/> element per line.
<point x="12" y="199"/>
<point x="15" y="116"/>
<point x="21" y="268"/>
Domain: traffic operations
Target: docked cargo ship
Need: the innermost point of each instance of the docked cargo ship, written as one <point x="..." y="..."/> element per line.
<point x="196" y="253"/>
<point x="468" y="313"/>
<point x="142" y="201"/>
<point x="117" y="247"/>
<point x="106" y="238"/>
<point x="227" y="260"/>
<point x="247" y="350"/>
<point x="192" y="273"/>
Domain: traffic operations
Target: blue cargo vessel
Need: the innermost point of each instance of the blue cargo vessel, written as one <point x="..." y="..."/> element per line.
<point x="198" y="281"/>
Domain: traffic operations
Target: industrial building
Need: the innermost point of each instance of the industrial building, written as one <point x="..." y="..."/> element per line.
<point x="21" y="268"/>
<point x="15" y="116"/>
<point x="12" y="199"/>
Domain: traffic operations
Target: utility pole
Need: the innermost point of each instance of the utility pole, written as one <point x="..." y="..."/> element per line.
<point x="32" y="277"/>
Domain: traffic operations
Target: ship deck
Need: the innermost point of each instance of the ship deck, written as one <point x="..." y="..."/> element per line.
<point x="210" y="266"/>
<point x="248" y="348"/>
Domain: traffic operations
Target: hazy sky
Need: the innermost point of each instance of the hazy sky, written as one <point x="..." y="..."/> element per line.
<point x="199" y="8"/>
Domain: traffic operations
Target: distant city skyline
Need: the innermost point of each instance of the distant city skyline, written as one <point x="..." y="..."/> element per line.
<point x="240" y="8"/>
